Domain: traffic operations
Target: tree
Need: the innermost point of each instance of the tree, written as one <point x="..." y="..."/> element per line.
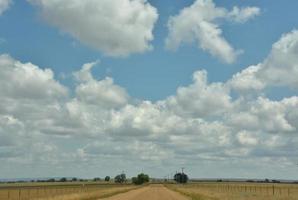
<point x="96" y="179"/>
<point x="181" y="177"/>
<point x="74" y="179"/>
<point x="107" y="178"/>
<point x="63" y="179"/>
<point x="121" y="178"/>
<point x="140" y="179"/>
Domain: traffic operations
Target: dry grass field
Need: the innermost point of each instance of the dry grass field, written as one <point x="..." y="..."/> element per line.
<point x="237" y="191"/>
<point x="194" y="191"/>
<point x="61" y="192"/>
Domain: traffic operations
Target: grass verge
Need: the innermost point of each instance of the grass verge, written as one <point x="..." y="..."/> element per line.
<point x="116" y="192"/>
<point x="192" y="196"/>
<point x="100" y="194"/>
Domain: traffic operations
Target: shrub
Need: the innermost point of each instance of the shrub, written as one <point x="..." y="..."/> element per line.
<point x="96" y="179"/>
<point x="107" y="178"/>
<point x="181" y="178"/>
<point x="140" y="179"/>
<point x="63" y="179"/>
<point x="121" y="178"/>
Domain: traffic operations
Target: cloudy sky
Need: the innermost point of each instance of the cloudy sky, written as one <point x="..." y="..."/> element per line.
<point x="90" y="88"/>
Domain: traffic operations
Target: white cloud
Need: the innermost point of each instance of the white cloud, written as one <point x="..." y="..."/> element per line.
<point x="8" y="125"/>
<point x="281" y="66"/>
<point x="246" y="81"/>
<point x="271" y="115"/>
<point x="203" y="123"/>
<point x="84" y="75"/>
<point x="4" y="5"/>
<point x="200" y="99"/>
<point x="246" y="138"/>
<point x="115" y="27"/>
<point x="103" y="93"/>
<point x="241" y="15"/>
<point x="264" y="115"/>
<point x="198" y="23"/>
<point x="291" y="111"/>
<point x="136" y="150"/>
<point x="25" y="80"/>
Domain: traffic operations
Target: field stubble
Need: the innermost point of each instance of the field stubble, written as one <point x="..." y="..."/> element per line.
<point x="237" y="191"/>
<point x="62" y="192"/>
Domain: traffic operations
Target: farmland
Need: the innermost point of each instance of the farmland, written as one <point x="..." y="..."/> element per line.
<point x="159" y="191"/>
<point x="237" y="191"/>
<point x="58" y="191"/>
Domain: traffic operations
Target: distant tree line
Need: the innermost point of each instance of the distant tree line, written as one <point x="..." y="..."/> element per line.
<point x="64" y="179"/>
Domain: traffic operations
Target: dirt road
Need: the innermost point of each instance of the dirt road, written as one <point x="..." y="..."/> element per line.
<point x="152" y="192"/>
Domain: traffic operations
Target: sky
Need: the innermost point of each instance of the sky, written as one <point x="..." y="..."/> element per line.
<point x="93" y="88"/>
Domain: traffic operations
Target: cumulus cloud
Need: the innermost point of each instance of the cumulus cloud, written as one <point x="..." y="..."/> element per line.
<point x="115" y="27"/>
<point x="199" y="23"/>
<point x="8" y="125"/>
<point x="263" y="114"/>
<point x="203" y="123"/>
<point x="25" y="80"/>
<point x="31" y="96"/>
<point x="246" y="138"/>
<point x="104" y="92"/>
<point x="4" y="5"/>
<point x="246" y="81"/>
<point x="137" y="150"/>
<point x="281" y="66"/>
<point x="278" y="69"/>
<point x="201" y="99"/>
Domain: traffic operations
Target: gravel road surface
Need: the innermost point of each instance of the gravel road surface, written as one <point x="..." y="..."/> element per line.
<point x="152" y="192"/>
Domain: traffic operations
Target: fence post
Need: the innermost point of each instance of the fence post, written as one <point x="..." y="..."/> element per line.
<point x="8" y="194"/>
<point x="19" y="194"/>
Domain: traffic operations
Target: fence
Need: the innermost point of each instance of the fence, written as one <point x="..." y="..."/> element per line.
<point x="34" y="192"/>
<point x="258" y="189"/>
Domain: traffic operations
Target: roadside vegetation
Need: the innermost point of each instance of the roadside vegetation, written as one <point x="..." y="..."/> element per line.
<point x="236" y="191"/>
<point x="63" y="191"/>
<point x="140" y="179"/>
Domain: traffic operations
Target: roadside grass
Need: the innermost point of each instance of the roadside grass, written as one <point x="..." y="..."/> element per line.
<point x="117" y="192"/>
<point x="236" y="191"/>
<point x="192" y="196"/>
<point x="100" y="194"/>
<point x="62" y="191"/>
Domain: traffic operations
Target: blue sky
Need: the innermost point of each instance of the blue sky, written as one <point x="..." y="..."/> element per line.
<point x="154" y="85"/>
<point x="156" y="74"/>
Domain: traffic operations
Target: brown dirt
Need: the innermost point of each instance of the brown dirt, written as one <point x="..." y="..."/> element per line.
<point x="152" y="192"/>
